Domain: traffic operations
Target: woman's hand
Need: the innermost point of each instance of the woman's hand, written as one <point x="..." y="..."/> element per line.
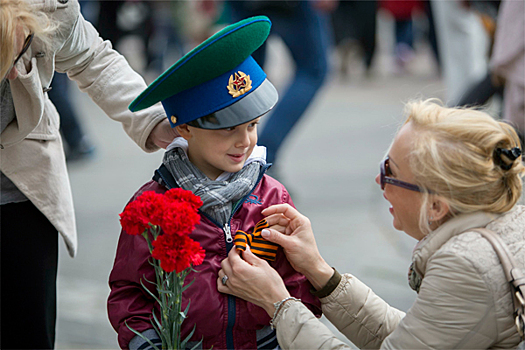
<point x="161" y="135"/>
<point x="251" y="279"/>
<point x="293" y="231"/>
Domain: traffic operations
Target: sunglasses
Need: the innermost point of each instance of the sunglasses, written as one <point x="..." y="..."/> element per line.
<point x="386" y="179"/>
<point x="27" y="43"/>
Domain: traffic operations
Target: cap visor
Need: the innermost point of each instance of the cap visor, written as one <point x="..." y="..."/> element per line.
<point x="254" y="105"/>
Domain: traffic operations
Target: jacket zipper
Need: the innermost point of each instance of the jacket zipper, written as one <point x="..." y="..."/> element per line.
<point x="229" y="244"/>
<point x="228" y="232"/>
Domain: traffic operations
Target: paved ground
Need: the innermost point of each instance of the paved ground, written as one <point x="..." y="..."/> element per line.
<point x="328" y="163"/>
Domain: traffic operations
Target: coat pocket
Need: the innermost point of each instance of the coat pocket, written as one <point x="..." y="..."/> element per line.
<point x="48" y="128"/>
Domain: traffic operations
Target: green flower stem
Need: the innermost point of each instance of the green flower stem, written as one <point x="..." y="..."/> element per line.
<point x="169" y="288"/>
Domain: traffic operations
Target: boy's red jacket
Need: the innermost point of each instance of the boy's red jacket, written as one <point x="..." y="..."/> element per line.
<point x="217" y="316"/>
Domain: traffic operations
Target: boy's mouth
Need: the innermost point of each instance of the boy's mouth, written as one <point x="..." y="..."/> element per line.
<point x="237" y="157"/>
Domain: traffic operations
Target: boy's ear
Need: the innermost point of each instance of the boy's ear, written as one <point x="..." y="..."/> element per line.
<point x="184" y="131"/>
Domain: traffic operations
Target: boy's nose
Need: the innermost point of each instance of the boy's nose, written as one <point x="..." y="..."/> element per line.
<point x="244" y="139"/>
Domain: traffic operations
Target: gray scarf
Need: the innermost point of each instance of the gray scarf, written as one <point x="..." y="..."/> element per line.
<point x="218" y="197"/>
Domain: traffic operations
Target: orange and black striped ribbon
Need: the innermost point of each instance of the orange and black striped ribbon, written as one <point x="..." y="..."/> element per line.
<point x="260" y="247"/>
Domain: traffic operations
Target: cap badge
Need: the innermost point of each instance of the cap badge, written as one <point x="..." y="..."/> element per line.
<point x="239" y="84"/>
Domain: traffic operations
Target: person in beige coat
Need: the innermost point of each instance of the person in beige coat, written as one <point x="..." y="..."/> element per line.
<point x="39" y="37"/>
<point x="447" y="171"/>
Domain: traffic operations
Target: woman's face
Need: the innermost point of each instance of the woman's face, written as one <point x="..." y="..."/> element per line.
<point x="405" y="204"/>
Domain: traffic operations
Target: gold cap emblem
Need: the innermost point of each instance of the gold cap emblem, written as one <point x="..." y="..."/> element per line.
<point x="173" y="119"/>
<point x="239" y="84"/>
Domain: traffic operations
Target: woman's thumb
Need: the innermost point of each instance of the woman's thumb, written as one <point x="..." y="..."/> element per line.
<point x="248" y="256"/>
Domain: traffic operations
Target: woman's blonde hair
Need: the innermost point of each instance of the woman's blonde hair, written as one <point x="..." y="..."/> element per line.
<point x="17" y="15"/>
<point x="454" y="156"/>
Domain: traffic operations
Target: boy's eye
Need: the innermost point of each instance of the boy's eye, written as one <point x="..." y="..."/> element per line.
<point x="230" y="128"/>
<point x="252" y="125"/>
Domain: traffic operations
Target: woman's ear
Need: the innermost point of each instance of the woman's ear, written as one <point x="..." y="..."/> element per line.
<point x="184" y="131"/>
<point x="439" y="209"/>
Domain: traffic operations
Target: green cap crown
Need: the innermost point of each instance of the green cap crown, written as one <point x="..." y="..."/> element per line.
<point x="218" y="54"/>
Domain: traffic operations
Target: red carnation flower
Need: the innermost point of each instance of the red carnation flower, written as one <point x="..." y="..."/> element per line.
<point x="145" y="209"/>
<point x="180" y="195"/>
<point x="179" y="219"/>
<point x="152" y="206"/>
<point x="177" y="253"/>
<point x="131" y="221"/>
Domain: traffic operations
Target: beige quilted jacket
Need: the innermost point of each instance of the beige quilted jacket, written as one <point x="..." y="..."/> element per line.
<point x="31" y="151"/>
<point x="463" y="302"/>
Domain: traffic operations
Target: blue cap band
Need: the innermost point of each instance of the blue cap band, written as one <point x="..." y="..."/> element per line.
<point x="212" y="95"/>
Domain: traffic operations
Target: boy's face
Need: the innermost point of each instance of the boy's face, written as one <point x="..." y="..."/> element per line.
<point x="217" y="151"/>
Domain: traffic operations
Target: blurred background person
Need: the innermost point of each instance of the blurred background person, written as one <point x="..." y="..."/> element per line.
<point x="481" y="92"/>
<point x="354" y="26"/>
<point x="508" y="62"/>
<point x="463" y="46"/>
<point x="403" y="28"/>
<point x="408" y="17"/>
<point x="304" y="27"/>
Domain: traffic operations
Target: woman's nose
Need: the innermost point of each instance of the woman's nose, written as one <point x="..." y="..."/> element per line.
<point x="378" y="180"/>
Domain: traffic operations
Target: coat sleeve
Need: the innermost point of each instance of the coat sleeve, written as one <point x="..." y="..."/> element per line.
<point x="353" y="308"/>
<point x="454" y="309"/>
<point x="106" y="76"/>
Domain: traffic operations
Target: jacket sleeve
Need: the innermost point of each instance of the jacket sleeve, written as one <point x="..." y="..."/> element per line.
<point x="106" y="76"/>
<point x="128" y="303"/>
<point x="352" y="308"/>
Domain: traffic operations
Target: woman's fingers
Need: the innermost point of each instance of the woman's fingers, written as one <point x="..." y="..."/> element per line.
<point x="277" y="219"/>
<point x="251" y="279"/>
<point x="285" y="209"/>
<point x="278" y="237"/>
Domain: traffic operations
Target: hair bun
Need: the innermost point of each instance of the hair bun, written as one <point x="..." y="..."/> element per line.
<point x="511" y="154"/>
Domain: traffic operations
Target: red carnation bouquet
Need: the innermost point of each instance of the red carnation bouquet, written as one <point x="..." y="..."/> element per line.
<point x="166" y="221"/>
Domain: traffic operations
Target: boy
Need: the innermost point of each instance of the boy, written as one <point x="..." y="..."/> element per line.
<point x="214" y="97"/>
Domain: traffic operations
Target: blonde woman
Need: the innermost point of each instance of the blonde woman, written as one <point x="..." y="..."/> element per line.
<point x="37" y="38"/>
<point x="447" y="171"/>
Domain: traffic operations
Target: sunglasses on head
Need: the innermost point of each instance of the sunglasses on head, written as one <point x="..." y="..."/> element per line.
<point x="386" y="179"/>
<point x="27" y="43"/>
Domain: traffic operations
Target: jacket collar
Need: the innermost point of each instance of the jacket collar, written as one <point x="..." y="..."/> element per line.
<point x="28" y="99"/>
<point x="47" y="5"/>
<point x="436" y="239"/>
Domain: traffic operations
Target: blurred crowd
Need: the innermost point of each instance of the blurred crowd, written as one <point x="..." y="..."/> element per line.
<point x="477" y="47"/>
